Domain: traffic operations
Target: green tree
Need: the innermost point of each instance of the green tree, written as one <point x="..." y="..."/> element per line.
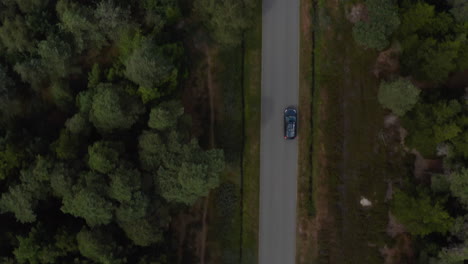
<point x="65" y="241"/>
<point x="20" y="202"/>
<point x="94" y="76"/>
<point x="136" y="207"/>
<point x="55" y="54"/>
<point x="188" y="172"/>
<point x="382" y="22"/>
<point x="226" y="20"/>
<point x="142" y="232"/>
<point x="160" y="13"/>
<point x="6" y="82"/>
<point x="399" y="95"/>
<point x="111" y="18"/>
<point x="432" y="124"/>
<point x="78" y="124"/>
<point x="459" y="10"/>
<point x="436" y="60"/>
<point x="431" y="42"/>
<point x="29" y="6"/>
<point x="459" y="185"/>
<point x="9" y="102"/>
<point x="415" y="18"/>
<point x="67" y="146"/>
<point x="97" y="246"/>
<point x="151" y="69"/>
<point x="22" y="199"/>
<point x="10" y="161"/>
<point x="165" y="115"/>
<point x="91" y="206"/>
<point x="124" y="182"/>
<point x="456" y="252"/>
<point x="104" y="156"/>
<point x="38" y="247"/>
<point x="15" y="36"/>
<point x="420" y="215"/>
<point x="84" y="101"/>
<point x="462" y="58"/>
<point x="62" y="95"/>
<point x="454" y="255"/>
<point x="151" y="150"/>
<point x="460" y="146"/>
<point x="79" y="20"/>
<point x="62" y="180"/>
<point x="446" y="132"/>
<point x="440" y="183"/>
<point x="114" y="109"/>
<point x="28" y="249"/>
<point x="31" y="71"/>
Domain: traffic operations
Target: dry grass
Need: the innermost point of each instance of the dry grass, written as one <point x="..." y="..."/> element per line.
<point x="306" y="208"/>
<point x="348" y="158"/>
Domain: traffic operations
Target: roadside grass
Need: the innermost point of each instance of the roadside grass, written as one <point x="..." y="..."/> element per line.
<point x="349" y="161"/>
<point x="251" y="155"/>
<point x="234" y="209"/>
<point x="224" y="233"/>
<point x="305" y="206"/>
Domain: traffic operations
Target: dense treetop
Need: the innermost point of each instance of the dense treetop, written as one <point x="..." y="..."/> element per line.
<point x="96" y="153"/>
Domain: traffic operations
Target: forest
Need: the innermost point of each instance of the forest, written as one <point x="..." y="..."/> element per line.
<point x="96" y="151"/>
<point x="429" y="93"/>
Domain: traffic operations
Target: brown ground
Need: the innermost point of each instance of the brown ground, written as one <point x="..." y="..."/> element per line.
<point x="306" y="225"/>
<point x="199" y="99"/>
<point x="350" y="146"/>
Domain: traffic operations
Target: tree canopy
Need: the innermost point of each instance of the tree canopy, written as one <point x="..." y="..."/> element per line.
<point x="433" y="43"/>
<point x="399" y="95"/>
<point x="113" y="109"/>
<point x="420" y="215"/>
<point x="226" y="20"/>
<point x="382" y="21"/>
<point x="96" y="154"/>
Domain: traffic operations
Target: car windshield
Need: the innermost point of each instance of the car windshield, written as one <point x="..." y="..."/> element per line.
<point x="290" y="118"/>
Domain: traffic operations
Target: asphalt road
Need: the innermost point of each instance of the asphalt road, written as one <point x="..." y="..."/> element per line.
<point x="278" y="157"/>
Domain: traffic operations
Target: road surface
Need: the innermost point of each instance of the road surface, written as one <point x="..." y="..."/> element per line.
<point x="278" y="157"/>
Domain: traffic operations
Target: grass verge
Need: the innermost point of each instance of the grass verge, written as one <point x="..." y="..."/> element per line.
<point x="233" y="228"/>
<point x="251" y="155"/>
<point x="306" y="207"/>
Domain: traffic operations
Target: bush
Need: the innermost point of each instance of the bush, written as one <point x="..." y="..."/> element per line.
<point x="382" y="22"/>
<point x="399" y="95"/>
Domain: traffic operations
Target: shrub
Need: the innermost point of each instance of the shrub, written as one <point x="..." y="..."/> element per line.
<point x="383" y="21"/>
<point x="399" y="95"/>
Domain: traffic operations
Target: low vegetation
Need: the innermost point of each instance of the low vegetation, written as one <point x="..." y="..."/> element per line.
<point x="425" y="90"/>
<point x="375" y="29"/>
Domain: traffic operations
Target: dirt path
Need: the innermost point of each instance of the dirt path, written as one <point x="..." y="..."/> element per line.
<point x="210" y="88"/>
<point x="200" y="102"/>
<point x="204" y="231"/>
<point x="211" y="94"/>
<point x="306" y="225"/>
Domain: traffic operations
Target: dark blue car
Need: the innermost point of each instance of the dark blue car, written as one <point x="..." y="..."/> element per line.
<point x="290" y="121"/>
